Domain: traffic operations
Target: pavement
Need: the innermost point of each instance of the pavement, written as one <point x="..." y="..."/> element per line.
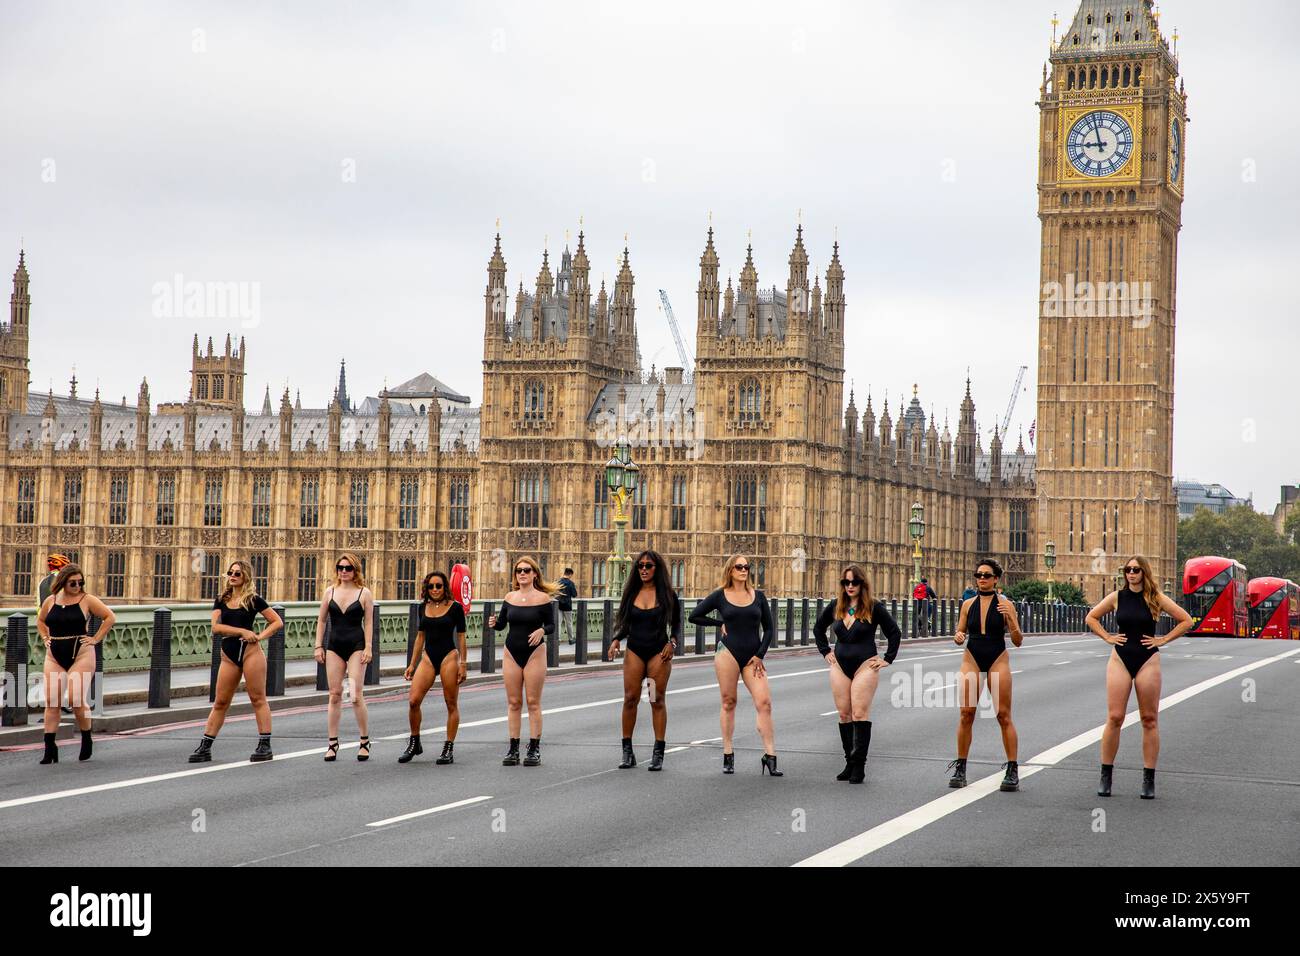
<point x="1226" y="787"/>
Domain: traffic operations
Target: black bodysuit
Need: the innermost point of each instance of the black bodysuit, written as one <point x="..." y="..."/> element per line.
<point x="347" y="628"/>
<point x="67" y="626"/>
<point x="1133" y="619"/>
<point x="985" y="640"/>
<point x="647" y="633"/>
<point x="440" y="633"/>
<point x="855" y="644"/>
<point x="240" y="616"/>
<point x="523" y="620"/>
<point x="742" y="639"/>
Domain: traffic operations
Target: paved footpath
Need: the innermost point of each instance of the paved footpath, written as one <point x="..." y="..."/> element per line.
<point x="1227" y="785"/>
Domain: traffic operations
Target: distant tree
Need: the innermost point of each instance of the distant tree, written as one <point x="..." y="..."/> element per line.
<point x="1244" y="534"/>
<point x="1036" y="591"/>
<point x="1291" y="527"/>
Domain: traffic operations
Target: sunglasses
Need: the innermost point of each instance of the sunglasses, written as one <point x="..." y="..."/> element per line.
<point x="645" y="566"/>
<point x="75" y="584"/>
<point x="741" y="567"/>
<point x="849" y="583"/>
<point x="523" y="570"/>
<point x="433" y="584"/>
<point x="234" y="574"/>
<point x="983" y="575"/>
<point x="1132" y="570"/>
<point x="343" y="567"/>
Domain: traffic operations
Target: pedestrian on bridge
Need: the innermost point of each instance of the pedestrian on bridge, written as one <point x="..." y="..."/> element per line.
<point x="529" y="612"/>
<point x="63" y="623"/>
<point x="747" y="631"/>
<point x="650" y="619"/>
<point x="439" y="652"/>
<point x="347" y="606"/>
<point x="855" y="663"/>
<point x="1135" y="663"/>
<point x="233" y="614"/>
<point x="987" y="619"/>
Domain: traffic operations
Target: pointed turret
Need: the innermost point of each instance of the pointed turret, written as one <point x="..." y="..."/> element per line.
<point x="341" y="396"/>
<point x="868" y="423"/>
<point x="835" y="302"/>
<point x="967" y="436"/>
<point x="796" y="287"/>
<point x="995" y="457"/>
<point x="707" y="292"/>
<point x="749" y="275"/>
<point x="266" y="402"/>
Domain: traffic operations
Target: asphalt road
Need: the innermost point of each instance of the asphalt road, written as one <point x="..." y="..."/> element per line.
<point x="1228" y="787"/>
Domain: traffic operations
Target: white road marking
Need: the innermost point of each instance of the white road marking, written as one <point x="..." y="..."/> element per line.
<point x="1059" y="663"/>
<point x="829" y="713"/>
<point x="424" y="813"/>
<point x="855" y="848"/>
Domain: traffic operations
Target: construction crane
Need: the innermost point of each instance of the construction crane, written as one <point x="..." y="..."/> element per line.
<point x="677" y="335"/>
<point x="1011" y="403"/>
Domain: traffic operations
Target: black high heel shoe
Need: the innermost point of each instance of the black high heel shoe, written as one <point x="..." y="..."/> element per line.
<point x="87" y="746"/>
<point x="657" y="756"/>
<point x="1148" y="783"/>
<point x="728" y="763"/>
<point x="447" y="756"/>
<point x="1103" y="788"/>
<point x="332" y="750"/>
<point x="51" y="750"/>
<point x="363" y="750"/>
<point x="413" y="749"/>
<point x="629" y="755"/>
<point x="769" y="766"/>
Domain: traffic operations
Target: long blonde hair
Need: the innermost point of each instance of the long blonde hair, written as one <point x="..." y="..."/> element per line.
<point x="243" y="594"/>
<point x="1150" y="593"/>
<point x="546" y="587"/>
<point x="866" y="603"/>
<point x="357" y="577"/>
<point x="727" y="569"/>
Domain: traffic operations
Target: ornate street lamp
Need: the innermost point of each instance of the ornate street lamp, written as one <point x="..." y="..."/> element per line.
<point x="1049" y="561"/>
<point x="916" y="527"/>
<point x="622" y="475"/>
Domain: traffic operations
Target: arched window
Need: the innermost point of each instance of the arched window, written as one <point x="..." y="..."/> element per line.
<point x="1069" y="80"/>
<point x="1132" y="196"/>
<point x="1110" y="197"/>
<point x="1137" y="71"/>
<point x="1105" y="76"/>
<point x="534" y="401"/>
<point x="1114" y="71"/>
<point x="1128" y="75"/>
<point x="751" y="401"/>
<point x="1065" y="200"/>
<point x="1087" y="199"/>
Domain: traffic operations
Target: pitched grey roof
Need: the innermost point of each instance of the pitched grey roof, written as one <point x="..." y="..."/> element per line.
<point x="425" y="384"/>
<point x="1090" y="33"/>
<point x="770" y="311"/>
<point x="1013" y="466"/>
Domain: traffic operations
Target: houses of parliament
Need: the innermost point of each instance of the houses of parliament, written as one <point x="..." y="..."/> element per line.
<point x="755" y="450"/>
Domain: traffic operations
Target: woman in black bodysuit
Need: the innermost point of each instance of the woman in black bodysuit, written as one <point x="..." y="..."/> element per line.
<point x="439" y="652"/>
<point x="650" y="618"/>
<point x="747" y="629"/>
<point x="69" y="668"/>
<point x="347" y="606"/>
<point x="983" y="624"/>
<point x="233" y="614"/>
<point x="529" y="612"/>
<point x="1135" y="663"/>
<point x="855" y="663"/>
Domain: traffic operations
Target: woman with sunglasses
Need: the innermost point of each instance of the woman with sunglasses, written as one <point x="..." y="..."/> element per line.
<point x="650" y="618"/>
<point x="347" y="606"/>
<point x="529" y="612"/>
<point x="747" y="629"/>
<point x="855" y="663"/>
<point x="983" y="624"/>
<point x="69" y="669"/>
<point x="233" y="616"/>
<point x="1135" y="663"/>
<point x="439" y="652"/>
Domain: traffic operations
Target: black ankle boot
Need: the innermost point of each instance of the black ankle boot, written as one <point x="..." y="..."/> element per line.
<point x="657" y="756"/>
<point x="447" y="756"/>
<point x="511" y="759"/>
<point x="629" y="755"/>
<point x="958" y="768"/>
<point x="263" y="751"/>
<point x="1148" y="783"/>
<point x="1107" y="771"/>
<point x="1011" y="781"/>
<point x="87" y="746"/>
<point x="769" y="766"/>
<point x="861" y="743"/>
<point x="51" y="750"/>
<point x="534" y="756"/>
<point x="413" y="749"/>
<point x="729" y="763"/>
<point x="203" y="752"/>
<point x="846" y="741"/>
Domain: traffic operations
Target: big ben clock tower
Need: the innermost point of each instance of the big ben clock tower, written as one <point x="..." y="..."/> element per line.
<point x="1110" y="191"/>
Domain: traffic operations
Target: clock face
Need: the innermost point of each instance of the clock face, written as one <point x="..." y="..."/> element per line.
<point x="1099" y="143"/>
<point x="1175" y="150"/>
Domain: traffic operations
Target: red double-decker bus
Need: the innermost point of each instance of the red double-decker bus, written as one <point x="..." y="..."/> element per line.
<point x="1274" y="608"/>
<point x="1214" y="594"/>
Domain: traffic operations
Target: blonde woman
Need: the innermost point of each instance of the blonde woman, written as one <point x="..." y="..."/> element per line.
<point x="747" y="630"/>
<point x="529" y="611"/>
<point x="62" y="623"/>
<point x="233" y="616"/>
<point x="1135" y="663"/>
<point x="347" y="605"/>
<point x="855" y="663"/>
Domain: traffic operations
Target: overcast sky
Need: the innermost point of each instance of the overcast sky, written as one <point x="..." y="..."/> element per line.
<point x="351" y="161"/>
